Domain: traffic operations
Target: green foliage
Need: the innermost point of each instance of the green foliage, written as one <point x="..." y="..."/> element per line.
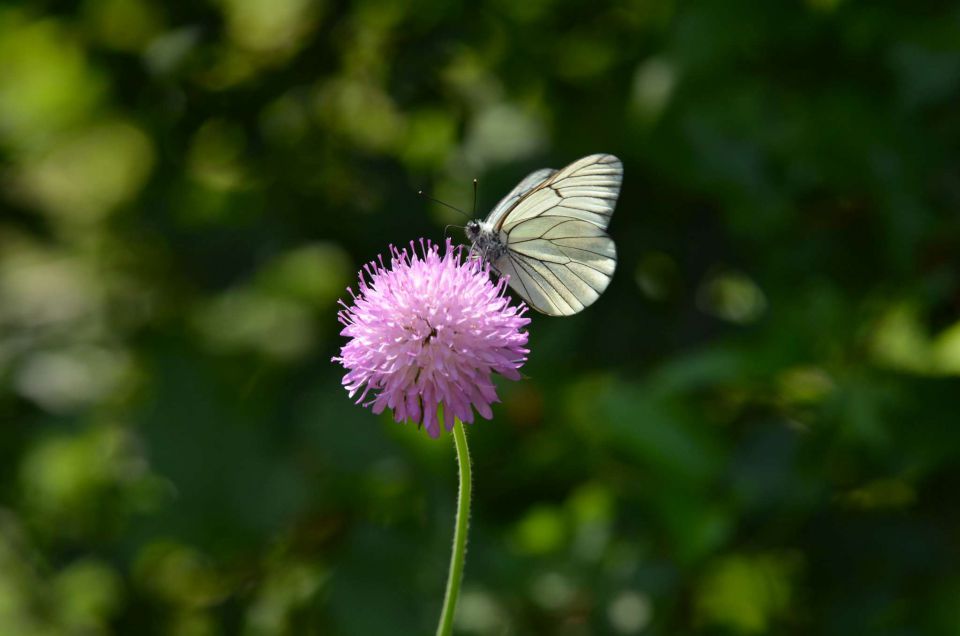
<point x="753" y="431"/>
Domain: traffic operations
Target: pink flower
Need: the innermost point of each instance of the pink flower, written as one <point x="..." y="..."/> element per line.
<point x="429" y="330"/>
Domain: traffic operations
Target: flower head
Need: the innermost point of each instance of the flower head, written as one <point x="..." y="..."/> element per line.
<point x="430" y="330"/>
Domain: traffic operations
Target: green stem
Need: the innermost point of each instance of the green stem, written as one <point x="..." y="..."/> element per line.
<point x="459" y="556"/>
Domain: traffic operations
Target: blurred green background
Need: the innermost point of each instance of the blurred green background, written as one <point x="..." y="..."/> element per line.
<point x="754" y="431"/>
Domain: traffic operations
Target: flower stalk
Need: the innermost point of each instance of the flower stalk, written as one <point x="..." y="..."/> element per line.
<point x="461" y="527"/>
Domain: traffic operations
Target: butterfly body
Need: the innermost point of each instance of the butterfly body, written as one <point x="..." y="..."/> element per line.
<point x="548" y="235"/>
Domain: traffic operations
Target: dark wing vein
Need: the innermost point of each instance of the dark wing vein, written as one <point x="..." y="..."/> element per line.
<point x="518" y="266"/>
<point x="585" y="281"/>
<point x="533" y="274"/>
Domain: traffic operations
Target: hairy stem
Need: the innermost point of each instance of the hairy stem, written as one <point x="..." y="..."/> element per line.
<point x="462" y="524"/>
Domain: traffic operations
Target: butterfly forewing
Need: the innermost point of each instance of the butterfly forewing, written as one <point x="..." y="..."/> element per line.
<point x="529" y="182"/>
<point x="586" y="189"/>
<point x="558" y="255"/>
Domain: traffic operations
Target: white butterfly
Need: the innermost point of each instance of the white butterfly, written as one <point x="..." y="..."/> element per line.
<point x="549" y="235"/>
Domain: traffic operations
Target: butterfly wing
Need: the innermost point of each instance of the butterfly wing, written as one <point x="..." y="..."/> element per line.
<point x="559" y="256"/>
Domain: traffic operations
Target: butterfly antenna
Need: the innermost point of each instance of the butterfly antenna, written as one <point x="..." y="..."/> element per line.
<point x="427" y="196"/>
<point x="448" y="226"/>
<point x="475" y="185"/>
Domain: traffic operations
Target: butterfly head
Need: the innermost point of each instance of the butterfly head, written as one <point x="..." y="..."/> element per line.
<point x="473" y="231"/>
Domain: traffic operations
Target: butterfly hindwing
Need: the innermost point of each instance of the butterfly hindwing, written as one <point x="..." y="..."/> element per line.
<point x="563" y="271"/>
